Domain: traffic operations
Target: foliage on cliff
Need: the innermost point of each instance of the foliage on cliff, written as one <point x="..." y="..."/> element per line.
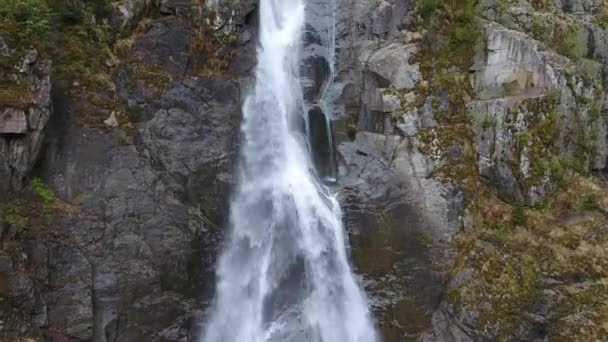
<point x="521" y="270"/>
<point x="89" y="40"/>
<point x="542" y="268"/>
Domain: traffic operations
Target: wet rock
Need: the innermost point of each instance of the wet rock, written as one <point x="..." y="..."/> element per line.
<point x="382" y="16"/>
<point x="149" y="317"/>
<point x="71" y="300"/>
<point x="391" y="236"/>
<point x="140" y="208"/>
<point x="23" y="275"/>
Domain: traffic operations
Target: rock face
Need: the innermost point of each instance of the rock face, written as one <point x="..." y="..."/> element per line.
<point x="425" y="128"/>
<point x="453" y="129"/>
<point x="398" y="215"/>
<point x="158" y="197"/>
<point x="24" y="112"/>
<point x="517" y="82"/>
<point x="125" y="245"/>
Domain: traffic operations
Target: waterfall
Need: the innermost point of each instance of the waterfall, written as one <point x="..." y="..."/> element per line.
<point x="284" y="274"/>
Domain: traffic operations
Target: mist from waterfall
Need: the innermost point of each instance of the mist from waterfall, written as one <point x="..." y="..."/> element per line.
<point x="284" y="274"/>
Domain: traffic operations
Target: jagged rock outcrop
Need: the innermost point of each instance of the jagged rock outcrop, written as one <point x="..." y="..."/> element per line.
<point x="397" y="213"/>
<point x="138" y="177"/>
<point x="520" y="86"/>
<point x="149" y="213"/>
<point x="520" y="107"/>
<point x="25" y="108"/>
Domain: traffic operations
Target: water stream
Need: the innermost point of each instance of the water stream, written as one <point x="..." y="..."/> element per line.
<point x="284" y="274"/>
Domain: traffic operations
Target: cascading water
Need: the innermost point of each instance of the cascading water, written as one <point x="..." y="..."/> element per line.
<point x="284" y="275"/>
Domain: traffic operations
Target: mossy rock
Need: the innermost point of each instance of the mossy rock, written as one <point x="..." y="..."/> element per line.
<point x="564" y="241"/>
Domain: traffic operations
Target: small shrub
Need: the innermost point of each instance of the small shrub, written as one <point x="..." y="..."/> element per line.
<point x="519" y="214"/>
<point x="572" y="43"/>
<point x="539" y="27"/>
<point x="602" y="19"/>
<point x="463" y="33"/>
<point x="542" y="204"/>
<point x="42" y="190"/>
<point x="594" y="112"/>
<point x="70" y="11"/>
<point x="102" y="8"/>
<point x="34" y="15"/>
<point x="488" y="122"/>
<point x="13" y="216"/>
<point x="540" y="4"/>
<point x="426" y="8"/>
<point x="425" y="239"/>
<point x="501" y="231"/>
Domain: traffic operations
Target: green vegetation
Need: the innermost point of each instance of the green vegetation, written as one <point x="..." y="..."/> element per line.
<point x="67" y="31"/>
<point x="425" y="239"/>
<point x="32" y="17"/>
<point x="15" y="95"/>
<point x="488" y="122"/>
<point x="512" y="258"/>
<point x="602" y="18"/>
<point x="539" y="27"/>
<point x="21" y="21"/>
<point x="12" y="214"/>
<point x="571" y="42"/>
<point x="86" y="51"/>
<point x="540" y="140"/>
<point x="519" y="214"/>
<point x="539" y="145"/>
<point x="374" y="251"/>
<point x="459" y="37"/>
<point x="514" y="247"/>
<point x="540" y="5"/>
<point x="427" y="8"/>
<point x="445" y="58"/>
<point x="42" y="190"/>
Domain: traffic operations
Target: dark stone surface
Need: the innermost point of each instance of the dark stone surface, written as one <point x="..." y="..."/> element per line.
<point x="140" y="208"/>
<point x="155" y="210"/>
<point x="166" y="42"/>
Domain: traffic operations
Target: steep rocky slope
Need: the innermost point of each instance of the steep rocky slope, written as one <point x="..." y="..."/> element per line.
<point x="467" y="133"/>
<point x="466" y="124"/>
<point x="115" y="236"/>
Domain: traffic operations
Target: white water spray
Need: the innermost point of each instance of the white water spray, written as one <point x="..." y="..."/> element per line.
<point x="284" y="276"/>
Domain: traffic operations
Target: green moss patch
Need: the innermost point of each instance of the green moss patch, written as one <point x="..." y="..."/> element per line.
<point x="374" y="251"/>
<point x="17" y="95"/>
<point x="571" y="41"/>
<point x="554" y="256"/>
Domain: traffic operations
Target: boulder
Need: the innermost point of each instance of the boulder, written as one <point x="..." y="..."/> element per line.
<point x="391" y="65"/>
<point x="12" y="121"/>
